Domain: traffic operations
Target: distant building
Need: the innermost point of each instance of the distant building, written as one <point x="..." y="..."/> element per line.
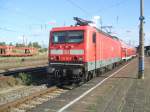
<point x="147" y="50"/>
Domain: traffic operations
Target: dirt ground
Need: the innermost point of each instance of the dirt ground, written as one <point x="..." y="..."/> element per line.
<point x="8" y="82"/>
<point x="7" y="63"/>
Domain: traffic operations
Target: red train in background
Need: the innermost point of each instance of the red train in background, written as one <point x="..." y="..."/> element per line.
<point x="13" y="51"/>
<point x="79" y="53"/>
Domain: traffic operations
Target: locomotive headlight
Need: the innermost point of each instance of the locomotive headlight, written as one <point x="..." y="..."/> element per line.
<point x="80" y="59"/>
<point x="52" y="58"/>
<point x="50" y="70"/>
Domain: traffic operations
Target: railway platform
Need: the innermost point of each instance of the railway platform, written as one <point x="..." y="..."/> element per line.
<point x="117" y="91"/>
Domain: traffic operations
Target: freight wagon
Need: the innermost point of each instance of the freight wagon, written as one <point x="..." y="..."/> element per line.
<point x="17" y="51"/>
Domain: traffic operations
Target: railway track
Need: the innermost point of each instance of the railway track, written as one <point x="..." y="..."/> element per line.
<point x="24" y="70"/>
<point x="16" y="92"/>
<point x="32" y="101"/>
<point x="22" y="104"/>
<point x="26" y="103"/>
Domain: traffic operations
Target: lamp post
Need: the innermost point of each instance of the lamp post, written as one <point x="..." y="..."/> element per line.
<point x="141" y="42"/>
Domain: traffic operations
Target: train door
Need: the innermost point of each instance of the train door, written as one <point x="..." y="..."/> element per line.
<point x="1" y="51"/>
<point x="94" y="42"/>
<point x="27" y="51"/>
<point x="124" y="53"/>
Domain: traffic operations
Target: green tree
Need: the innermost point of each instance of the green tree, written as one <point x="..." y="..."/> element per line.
<point x="2" y="43"/>
<point x="43" y="50"/>
<point x="10" y="44"/>
<point x="36" y="45"/>
<point x="30" y="44"/>
<point x="19" y="45"/>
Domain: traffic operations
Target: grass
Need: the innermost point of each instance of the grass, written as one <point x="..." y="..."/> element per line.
<point x="44" y="55"/>
<point x="25" y="78"/>
<point x="13" y="62"/>
<point x="92" y="108"/>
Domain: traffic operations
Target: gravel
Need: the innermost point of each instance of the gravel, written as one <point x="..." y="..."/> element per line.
<point x="15" y="94"/>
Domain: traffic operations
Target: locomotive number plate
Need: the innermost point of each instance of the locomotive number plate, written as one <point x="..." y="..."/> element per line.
<point x="66" y="51"/>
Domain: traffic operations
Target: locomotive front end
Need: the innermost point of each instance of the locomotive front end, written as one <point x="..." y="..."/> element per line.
<point x="66" y="54"/>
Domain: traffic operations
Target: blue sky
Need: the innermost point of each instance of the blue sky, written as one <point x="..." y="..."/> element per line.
<point x="33" y="19"/>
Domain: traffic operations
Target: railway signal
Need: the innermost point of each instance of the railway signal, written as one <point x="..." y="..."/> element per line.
<point x="141" y="42"/>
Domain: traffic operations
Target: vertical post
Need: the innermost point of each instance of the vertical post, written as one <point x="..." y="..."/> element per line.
<point x="141" y="42"/>
<point x="23" y="39"/>
<point x="101" y="23"/>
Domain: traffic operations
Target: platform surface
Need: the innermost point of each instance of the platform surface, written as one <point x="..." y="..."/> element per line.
<point x="123" y="92"/>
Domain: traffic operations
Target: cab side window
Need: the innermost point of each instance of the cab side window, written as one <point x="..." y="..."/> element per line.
<point x="94" y="38"/>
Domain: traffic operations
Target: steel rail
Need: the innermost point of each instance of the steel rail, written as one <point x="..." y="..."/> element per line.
<point x="26" y="70"/>
<point x="8" y="106"/>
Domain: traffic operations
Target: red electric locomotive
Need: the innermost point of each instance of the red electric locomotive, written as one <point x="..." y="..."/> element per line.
<point x="77" y="53"/>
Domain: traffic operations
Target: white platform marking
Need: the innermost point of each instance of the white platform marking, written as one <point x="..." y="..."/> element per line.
<point x="88" y="91"/>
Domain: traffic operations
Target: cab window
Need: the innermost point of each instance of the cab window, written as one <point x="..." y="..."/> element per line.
<point x="68" y="37"/>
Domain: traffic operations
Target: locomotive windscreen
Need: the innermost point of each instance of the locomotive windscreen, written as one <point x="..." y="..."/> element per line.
<point x="67" y="37"/>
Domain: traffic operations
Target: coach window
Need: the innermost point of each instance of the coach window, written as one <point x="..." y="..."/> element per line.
<point x="94" y="37"/>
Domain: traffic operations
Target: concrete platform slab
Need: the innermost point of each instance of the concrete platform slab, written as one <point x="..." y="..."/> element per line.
<point x="122" y="92"/>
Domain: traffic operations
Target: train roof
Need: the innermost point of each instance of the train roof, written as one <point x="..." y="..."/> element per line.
<point x="83" y="24"/>
<point x="113" y="37"/>
<point x="83" y="28"/>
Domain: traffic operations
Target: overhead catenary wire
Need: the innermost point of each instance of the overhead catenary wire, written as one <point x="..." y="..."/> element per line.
<point x="99" y="10"/>
<point x="111" y="6"/>
<point x="23" y="33"/>
<point x="77" y="6"/>
<point x="41" y="25"/>
<point x="20" y="13"/>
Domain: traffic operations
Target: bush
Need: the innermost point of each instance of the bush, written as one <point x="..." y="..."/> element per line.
<point x="43" y="50"/>
<point x="26" y="78"/>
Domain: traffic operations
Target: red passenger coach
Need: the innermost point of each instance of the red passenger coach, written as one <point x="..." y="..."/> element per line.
<point x="78" y="53"/>
<point x="127" y="52"/>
